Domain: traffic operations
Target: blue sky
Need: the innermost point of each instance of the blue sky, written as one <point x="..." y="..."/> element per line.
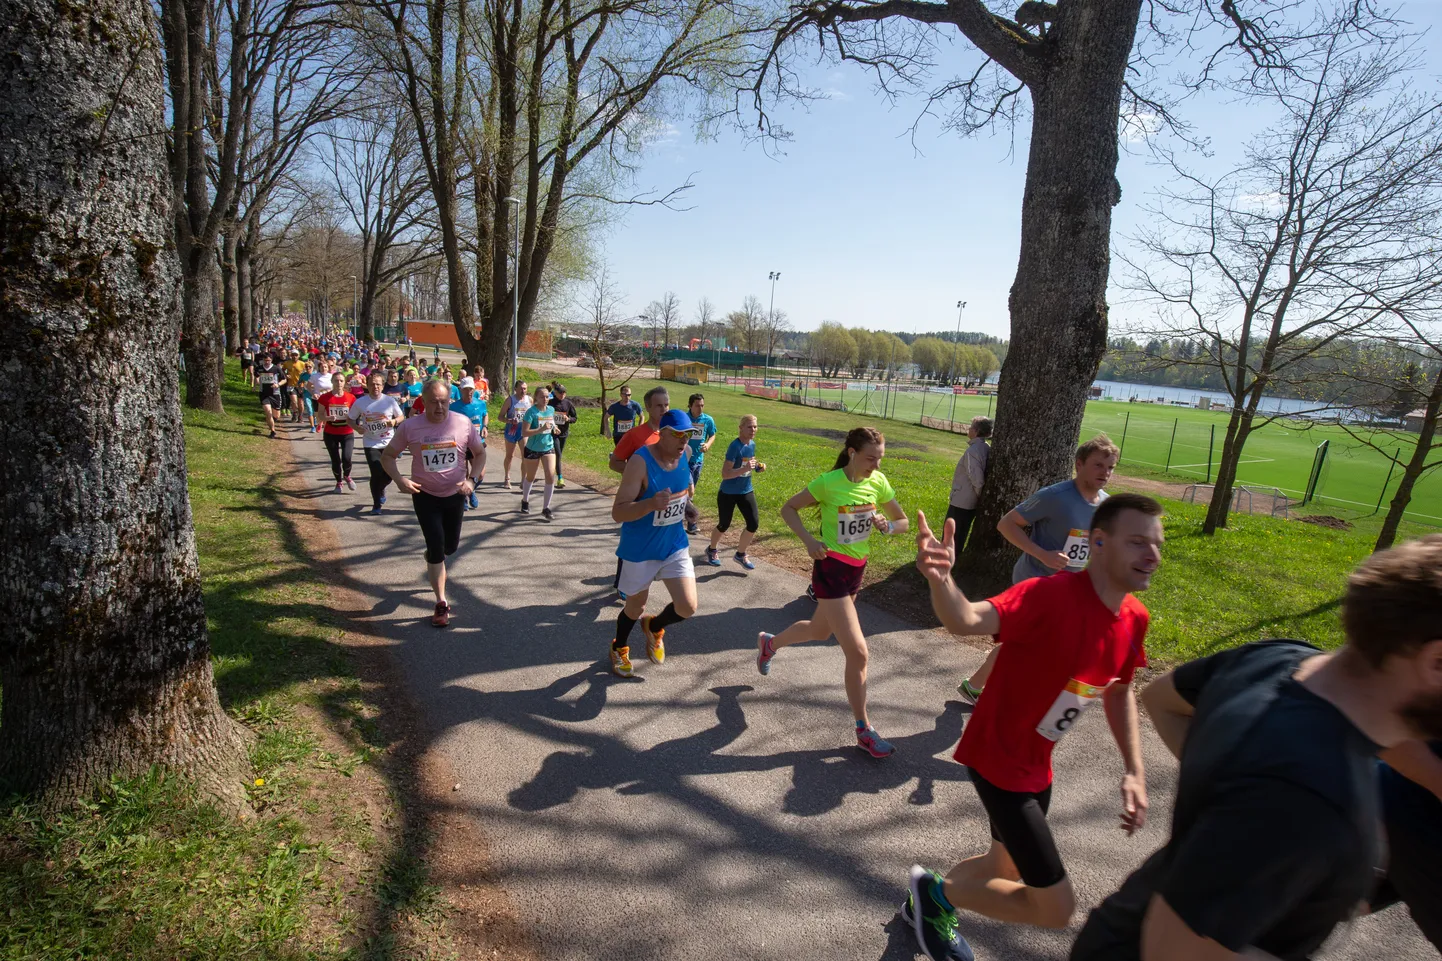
<point x="866" y="226"/>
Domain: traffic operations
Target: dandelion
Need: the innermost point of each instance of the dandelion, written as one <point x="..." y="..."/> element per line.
<point x="260" y="782"/>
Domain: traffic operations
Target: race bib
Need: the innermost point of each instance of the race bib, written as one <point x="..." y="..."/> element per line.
<point x="339" y="413"/>
<point x="267" y="379"/>
<point x="376" y="424"/>
<point x="548" y="423"/>
<point x="1075" y="698"/>
<point x="438" y="458"/>
<point x="624" y="425"/>
<point x="1076" y="549"/>
<point x="672" y="513"/>
<point x="853" y="523"/>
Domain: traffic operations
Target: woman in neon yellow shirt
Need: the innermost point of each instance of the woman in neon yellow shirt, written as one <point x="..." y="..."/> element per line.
<point x="855" y="499"/>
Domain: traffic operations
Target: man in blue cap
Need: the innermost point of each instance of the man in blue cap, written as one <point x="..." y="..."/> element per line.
<point x="650" y="506"/>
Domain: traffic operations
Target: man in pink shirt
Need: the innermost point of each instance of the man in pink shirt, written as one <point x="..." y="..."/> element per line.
<point x="439" y="483"/>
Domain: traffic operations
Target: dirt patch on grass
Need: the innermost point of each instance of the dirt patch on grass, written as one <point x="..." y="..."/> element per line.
<point x="429" y="887"/>
<point x="839" y="436"/>
<point x="1327" y="521"/>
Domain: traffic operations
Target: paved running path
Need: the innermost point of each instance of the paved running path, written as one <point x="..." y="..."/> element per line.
<point x="702" y="811"/>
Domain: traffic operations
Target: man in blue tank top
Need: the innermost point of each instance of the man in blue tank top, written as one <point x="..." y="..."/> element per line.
<point x="650" y="506"/>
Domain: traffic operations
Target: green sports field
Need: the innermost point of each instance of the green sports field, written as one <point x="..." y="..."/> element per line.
<point x="1279" y="455"/>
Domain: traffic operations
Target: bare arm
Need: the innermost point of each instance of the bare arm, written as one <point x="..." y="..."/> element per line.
<point x="934" y="559"/>
<point x="1166" y="937"/>
<point x="627" y="507"/>
<point x="800" y="501"/>
<point x="1415" y="761"/>
<point x="1013" y="527"/>
<point x="1120" y="702"/>
<point x="1170" y="713"/>
<point x="391" y="467"/>
<point x="896" y="522"/>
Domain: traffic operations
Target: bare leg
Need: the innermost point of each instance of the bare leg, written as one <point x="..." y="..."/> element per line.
<point x="636" y="604"/>
<point x="979" y="676"/>
<point x="548" y="467"/>
<point x="989" y="884"/>
<point x="437" y="575"/>
<point x="716" y="535"/>
<point x="481" y="464"/>
<point x="510" y="456"/>
<point x="746" y="538"/>
<point x="683" y="594"/>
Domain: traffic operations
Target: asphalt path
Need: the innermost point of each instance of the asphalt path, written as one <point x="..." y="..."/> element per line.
<point x="701" y="810"/>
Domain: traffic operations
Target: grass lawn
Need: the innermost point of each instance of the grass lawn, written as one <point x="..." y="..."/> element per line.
<point x="1262" y="577"/>
<point x="1279" y="455"/>
<point x="144" y="871"/>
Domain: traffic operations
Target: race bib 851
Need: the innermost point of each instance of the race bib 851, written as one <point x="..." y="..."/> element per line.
<point x="1076" y="549"/>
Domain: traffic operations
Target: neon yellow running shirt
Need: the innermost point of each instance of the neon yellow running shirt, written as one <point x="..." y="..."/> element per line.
<point x="847" y="508"/>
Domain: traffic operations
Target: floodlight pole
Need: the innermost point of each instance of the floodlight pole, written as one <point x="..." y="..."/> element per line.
<point x="774" y="276"/>
<point x="955" y="346"/>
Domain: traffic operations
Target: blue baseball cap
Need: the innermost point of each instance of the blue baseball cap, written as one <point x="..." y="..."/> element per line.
<point x="677" y="420"/>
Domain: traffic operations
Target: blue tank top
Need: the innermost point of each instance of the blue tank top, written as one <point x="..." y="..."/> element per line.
<point x="659" y="534"/>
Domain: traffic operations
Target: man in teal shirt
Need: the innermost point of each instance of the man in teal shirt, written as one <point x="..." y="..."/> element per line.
<point x="474" y="406"/>
<point x="699" y="444"/>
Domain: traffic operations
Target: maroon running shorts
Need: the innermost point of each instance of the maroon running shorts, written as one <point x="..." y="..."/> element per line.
<point x="835" y="579"/>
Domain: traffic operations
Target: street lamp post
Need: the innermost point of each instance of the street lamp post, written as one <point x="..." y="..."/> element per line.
<point x="773" y="276"/>
<point x="955" y="346"/>
<point x="515" y="294"/>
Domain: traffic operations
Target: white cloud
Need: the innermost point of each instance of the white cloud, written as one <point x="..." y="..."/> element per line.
<point x="1140" y="125"/>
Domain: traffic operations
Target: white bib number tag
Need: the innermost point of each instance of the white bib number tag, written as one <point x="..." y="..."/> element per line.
<point x="438" y="458"/>
<point x="1075" y="698"/>
<point x="339" y="413"/>
<point x="624" y="425"/>
<point x="547" y="424"/>
<point x="267" y="379"/>
<point x="853" y="523"/>
<point x="376" y="424"/>
<point x="672" y="513"/>
<point x="1076" y="549"/>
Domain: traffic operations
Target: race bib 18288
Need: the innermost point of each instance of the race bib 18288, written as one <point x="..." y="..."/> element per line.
<point x="438" y="458"/>
<point x="853" y="523"/>
<point x="1075" y="698"/>
<point x="1076" y="549"/>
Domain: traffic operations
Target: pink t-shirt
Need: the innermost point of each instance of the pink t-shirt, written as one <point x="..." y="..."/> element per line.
<point x="438" y="451"/>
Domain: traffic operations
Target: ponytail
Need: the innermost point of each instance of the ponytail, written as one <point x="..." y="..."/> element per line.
<point x="857" y="438"/>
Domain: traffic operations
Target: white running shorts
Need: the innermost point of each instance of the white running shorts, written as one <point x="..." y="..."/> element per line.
<point x="637" y="576"/>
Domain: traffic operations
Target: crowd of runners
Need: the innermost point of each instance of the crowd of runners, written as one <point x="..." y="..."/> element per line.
<point x="1285" y="821"/>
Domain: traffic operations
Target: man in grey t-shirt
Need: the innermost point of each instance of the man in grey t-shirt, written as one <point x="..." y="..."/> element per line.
<point x="1059" y="517"/>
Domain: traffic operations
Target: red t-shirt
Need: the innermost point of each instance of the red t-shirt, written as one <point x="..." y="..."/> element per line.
<point x="334" y="408"/>
<point x="641" y="435"/>
<point x="1060" y="647"/>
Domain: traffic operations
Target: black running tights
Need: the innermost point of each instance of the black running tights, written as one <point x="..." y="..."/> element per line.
<point x="440" y="519"/>
<point x="339" y="446"/>
<point x="380" y="480"/>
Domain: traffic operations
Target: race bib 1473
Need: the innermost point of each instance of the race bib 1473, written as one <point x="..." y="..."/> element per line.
<point x="1075" y="698"/>
<point x="438" y="458"/>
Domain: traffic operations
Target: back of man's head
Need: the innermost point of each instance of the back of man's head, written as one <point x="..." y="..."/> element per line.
<point x="1393" y="601"/>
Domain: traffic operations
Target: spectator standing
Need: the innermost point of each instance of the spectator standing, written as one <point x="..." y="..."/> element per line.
<point x="967" y="479"/>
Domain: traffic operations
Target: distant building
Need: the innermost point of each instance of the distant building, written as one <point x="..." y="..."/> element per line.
<point x="1413" y="421"/>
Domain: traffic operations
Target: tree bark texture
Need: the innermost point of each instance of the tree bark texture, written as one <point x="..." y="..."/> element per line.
<point x="200" y="331"/>
<point x="1416" y="464"/>
<point x="230" y="285"/>
<point x="1058" y="300"/>
<point x="245" y="288"/>
<point x="105" y="658"/>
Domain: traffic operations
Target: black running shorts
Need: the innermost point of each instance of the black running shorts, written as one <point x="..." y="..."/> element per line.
<point x="1018" y="820"/>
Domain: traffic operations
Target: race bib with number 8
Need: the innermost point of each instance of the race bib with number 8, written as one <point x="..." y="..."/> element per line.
<point x="853" y="523"/>
<point x="438" y="458"/>
<point x="670" y="514"/>
<point x="1076" y="548"/>
<point x="1075" y="698"/>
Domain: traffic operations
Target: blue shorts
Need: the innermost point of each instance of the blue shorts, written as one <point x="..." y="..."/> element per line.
<point x="513" y="433"/>
<point x="696" y="472"/>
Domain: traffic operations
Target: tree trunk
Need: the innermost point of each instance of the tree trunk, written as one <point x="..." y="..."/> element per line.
<point x="1239" y="428"/>
<point x="1058" y="300"/>
<point x="1416" y="464"/>
<point x="230" y="286"/>
<point x="105" y="657"/>
<point x="245" y="288"/>
<point x="200" y="337"/>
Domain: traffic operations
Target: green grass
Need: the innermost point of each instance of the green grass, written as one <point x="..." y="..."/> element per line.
<point x="147" y="871"/>
<point x="1278" y="455"/>
<point x="1261" y="577"/>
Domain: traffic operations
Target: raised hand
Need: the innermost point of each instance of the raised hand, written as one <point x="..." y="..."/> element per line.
<point x="934" y="559"/>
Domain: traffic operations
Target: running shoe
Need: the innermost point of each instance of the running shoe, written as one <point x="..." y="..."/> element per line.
<point x="621" y="661"/>
<point x="968" y="693"/>
<point x="525" y="507"/>
<point x="560" y="484"/>
<point x="350" y="484"/>
<point x="693" y="530"/>
<point x="874" y="744"/>
<point x="383" y="498"/>
<point x="338" y="487"/>
<point x="933" y="924"/>
<point x="442" y="616"/>
<point x="655" y="643"/>
<point x="375" y="508"/>
<point x="546" y="513"/>
<point x="764" y="652"/>
<point x="810" y="592"/>
<point x="272" y="434"/>
<point x="745" y="561"/>
<point x="473" y="501"/>
<point x="312" y="428"/>
<point x="713" y="557"/>
<point x="507" y="484"/>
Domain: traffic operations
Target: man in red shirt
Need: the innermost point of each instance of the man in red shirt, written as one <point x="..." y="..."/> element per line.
<point x="339" y="436"/>
<point x="1066" y="640"/>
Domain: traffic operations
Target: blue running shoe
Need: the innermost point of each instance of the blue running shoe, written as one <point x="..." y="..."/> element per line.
<point x="375" y="508"/>
<point x="764" y="652"/>
<point x="383" y="499"/>
<point x="872" y="743"/>
<point x="474" y="501"/>
<point x="933" y="923"/>
<point x="712" y="557"/>
<point x="745" y="561"/>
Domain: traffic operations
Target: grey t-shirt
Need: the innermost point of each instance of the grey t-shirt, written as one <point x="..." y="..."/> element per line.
<point x="1060" y="520"/>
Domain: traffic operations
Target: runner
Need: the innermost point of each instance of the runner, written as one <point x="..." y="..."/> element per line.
<point x="413" y="387"/>
<point x="853" y="497"/>
<point x="517" y="402"/>
<point x="394" y="387"/>
<point x="649" y="506"/>
<point x="483" y="385"/>
<point x="624" y="414"/>
<point x="1065" y="641"/>
<point x="736" y="493"/>
<point x="474" y="406"/>
<point x="439" y="484"/>
<point x="269" y="377"/>
<point x="538" y="430"/>
<point x="700" y="444"/>
<point x="247" y="362"/>
<point x="307" y="394"/>
<point x="376" y="415"/>
<point x="321" y="379"/>
<point x="565" y="416"/>
<point x="338" y="434"/>
<point x="1274" y="838"/>
<point x="1059" y="517"/>
<point x="291" y="396"/>
<point x="658" y="402"/>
